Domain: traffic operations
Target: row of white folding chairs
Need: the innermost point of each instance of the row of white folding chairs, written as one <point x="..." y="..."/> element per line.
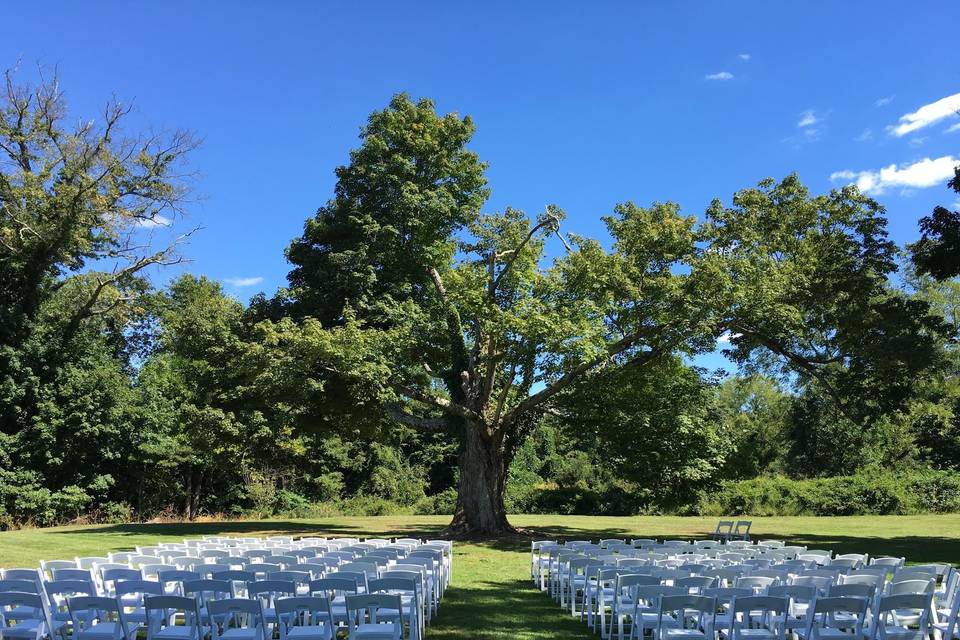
<point x="429" y="561"/>
<point x="548" y="564"/>
<point x="366" y="616"/>
<point x="55" y="594"/>
<point x="608" y="597"/>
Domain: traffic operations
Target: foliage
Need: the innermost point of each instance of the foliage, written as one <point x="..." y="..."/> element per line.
<point x="431" y="357"/>
<point x="874" y="491"/>
<point x="937" y="252"/>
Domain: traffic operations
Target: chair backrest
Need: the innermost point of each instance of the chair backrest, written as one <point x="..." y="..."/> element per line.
<point x="19" y="586"/>
<point x="393" y="584"/>
<point x="303" y="611"/>
<point x="366" y="608"/>
<point x="89" y="562"/>
<point x="767" y="611"/>
<point x="206" y="589"/>
<point x="260" y="568"/>
<point x="914" y="573"/>
<point x="270" y="590"/>
<point x="892" y="608"/>
<point x="852" y="590"/>
<point x="20" y="600"/>
<point x="144" y="587"/>
<point x="678" y="609"/>
<point x="911" y="586"/>
<point x="59" y="591"/>
<point x="887" y="561"/>
<point x="796" y="592"/>
<point x="178" y="577"/>
<point x="285" y="560"/>
<point x="298" y="577"/>
<point x="820" y="583"/>
<point x="360" y="577"/>
<point x="823" y="610"/>
<point x="235" y="613"/>
<point x="872" y="579"/>
<point x="757" y="583"/>
<point x="164" y="611"/>
<point x="111" y="576"/>
<point x="23" y="574"/>
<point x="88" y="611"/>
<point x="695" y="584"/>
<point x="315" y="569"/>
<point x="334" y="586"/>
<point x="723" y="527"/>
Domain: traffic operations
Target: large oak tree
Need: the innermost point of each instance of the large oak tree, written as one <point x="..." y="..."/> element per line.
<point x="422" y="309"/>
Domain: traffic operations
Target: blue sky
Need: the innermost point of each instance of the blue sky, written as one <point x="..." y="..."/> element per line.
<point x="579" y="104"/>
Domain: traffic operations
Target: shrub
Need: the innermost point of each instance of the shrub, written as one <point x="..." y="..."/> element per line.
<point x="872" y="491"/>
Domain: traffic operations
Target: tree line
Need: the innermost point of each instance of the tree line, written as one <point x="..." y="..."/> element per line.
<point x="431" y="354"/>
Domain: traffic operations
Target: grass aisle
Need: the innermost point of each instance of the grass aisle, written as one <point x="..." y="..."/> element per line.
<point x="492" y="598"/>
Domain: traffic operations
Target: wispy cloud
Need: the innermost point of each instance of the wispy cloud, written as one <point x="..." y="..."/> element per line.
<point x="953" y="127"/>
<point x="723" y="75"/>
<point x="744" y="56"/>
<point x="243" y="282"/>
<point x="866" y="136"/>
<point x="884" y="101"/>
<point x="154" y="222"/>
<point x="917" y="175"/>
<point x="808" y="118"/>
<point x="918" y="141"/>
<point x="926" y="115"/>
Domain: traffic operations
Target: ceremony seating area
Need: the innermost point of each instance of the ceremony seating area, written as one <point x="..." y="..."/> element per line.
<point x="226" y="588"/>
<point x="740" y="590"/>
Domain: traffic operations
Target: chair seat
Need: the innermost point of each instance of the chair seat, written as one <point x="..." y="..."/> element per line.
<point x="758" y="634"/>
<point x="171" y="632"/>
<point x="368" y="631"/>
<point x="101" y="631"/>
<point x="24" y="630"/>
<point x="309" y="632"/>
<point x="685" y="634"/>
<point x="241" y="633"/>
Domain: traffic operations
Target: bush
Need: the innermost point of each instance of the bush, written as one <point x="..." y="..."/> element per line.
<point x="871" y="491"/>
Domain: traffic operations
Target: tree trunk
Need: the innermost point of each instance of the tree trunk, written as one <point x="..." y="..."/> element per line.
<point x="483" y="482"/>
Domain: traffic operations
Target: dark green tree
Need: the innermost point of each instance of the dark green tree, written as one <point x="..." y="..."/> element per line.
<point x="937" y="252"/>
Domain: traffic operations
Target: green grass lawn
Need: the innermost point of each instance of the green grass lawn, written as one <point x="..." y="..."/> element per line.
<point x="491" y="596"/>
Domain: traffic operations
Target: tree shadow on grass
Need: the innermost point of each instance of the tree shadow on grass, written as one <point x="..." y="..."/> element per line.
<point x="261" y="527"/>
<point x="917" y="549"/>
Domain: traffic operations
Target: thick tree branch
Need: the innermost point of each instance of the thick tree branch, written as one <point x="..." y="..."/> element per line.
<point x="432" y="425"/>
<point x="571" y="376"/>
<point x="437" y="401"/>
<point x="512" y="254"/>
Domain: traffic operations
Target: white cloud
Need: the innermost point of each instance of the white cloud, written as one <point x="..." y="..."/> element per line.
<point x="866" y="136"/>
<point x="744" y="56"/>
<point x="918" y="141"/>
<point x="953" y="127"/>
<point x="918" y="175"/>
<point x="243" y="282"/>
<point x="927" y="115"/>
<point x="808" y="118"/>
<point x="723" y="75"/>
<point x="882" y="102"/>
<point x="154" y="222"/>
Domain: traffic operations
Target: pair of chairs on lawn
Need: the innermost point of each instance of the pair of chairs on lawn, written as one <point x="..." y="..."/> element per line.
<point x="376" y="616"/>
<point x="732" y="530"/>
<point x="696" y="617"/>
